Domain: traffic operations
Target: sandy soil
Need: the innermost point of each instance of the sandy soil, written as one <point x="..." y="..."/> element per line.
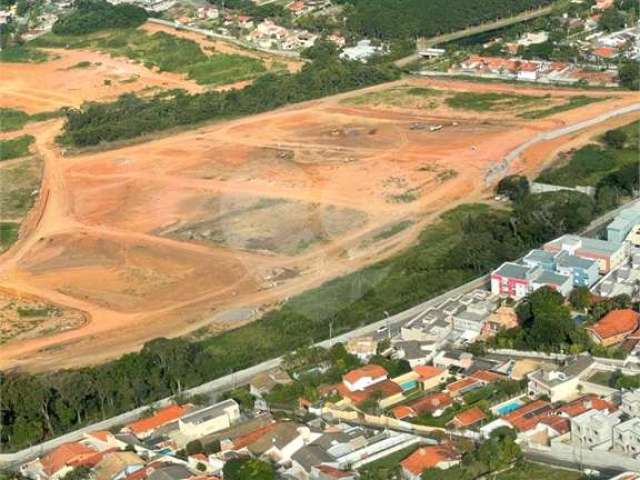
<point x="47" y="86"/>
<point x="210" y="227"/>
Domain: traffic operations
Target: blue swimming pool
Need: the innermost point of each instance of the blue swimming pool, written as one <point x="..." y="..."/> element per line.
<point x="509" y="407"/>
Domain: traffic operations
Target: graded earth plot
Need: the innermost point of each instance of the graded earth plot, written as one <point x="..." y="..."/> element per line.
<point x="168" y="236"/>
<point x="128" y="275"/>
<point x="71" y="77"/>
<point x="22" y="318"/>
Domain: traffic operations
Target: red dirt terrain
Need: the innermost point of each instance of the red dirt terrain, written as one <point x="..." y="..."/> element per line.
<point x="211" y="227"/>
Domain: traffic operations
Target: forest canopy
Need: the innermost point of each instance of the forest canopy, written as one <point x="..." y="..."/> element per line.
<point x="93" y="15"/>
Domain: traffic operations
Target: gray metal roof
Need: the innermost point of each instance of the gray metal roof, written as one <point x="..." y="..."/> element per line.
<point x="208" y="413"/>
<point x="513" y="270"/>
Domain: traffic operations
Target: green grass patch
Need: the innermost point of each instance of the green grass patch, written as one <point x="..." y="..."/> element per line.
<point x="44" y="116"/>
<point x="17" y="184"/>
<point x="83" y="64"/>
<point x="165" y="52"/>
<point x="392" y="230"/>
<point x="15" y="147"/>
<point x="528" y="470"/>
<point x="589" y="164"/>
<point x="601" y="378"/>
<point x="492" y="101"/>
<point x="22" y="54"/>
<point x="573" y="102"/>
<point x="8" y="234"/>
<point x="404" y="96"/>
<point x="12" y="119"/>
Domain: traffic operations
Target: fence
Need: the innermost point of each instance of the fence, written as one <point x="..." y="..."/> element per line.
<point x="583" y="457"/>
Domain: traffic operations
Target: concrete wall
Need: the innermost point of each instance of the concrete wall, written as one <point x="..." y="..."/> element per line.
<point x="588" y="458"/>
<point x="537" y="187"/>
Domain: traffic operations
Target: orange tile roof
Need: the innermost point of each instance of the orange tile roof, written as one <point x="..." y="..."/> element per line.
<point x="428" y="457"/>
<point x="161" y="417"/>
<point x="487" y="376"/>
<point x="102" y="435"/>
<point x="616" y="322"/>
<point x="461" y="384"/>
<point x="386" y="387"/>
<point x="605" y="52"/>
<point x="528" y="416"/>
<point x="559" y="424"/>
<point x="431" y="403"/>
<point x="583" y="404"/>
<point x="402" y="411"/>
<point x="247" y="439"/>
<point x="427" y="372"/>
<point x="469" y="417"/>
<point x="71" y="454"/>
<point x="372" y="370"/>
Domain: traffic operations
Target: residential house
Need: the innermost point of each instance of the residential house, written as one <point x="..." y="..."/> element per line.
<point x="145" y="427"/>
<point x="463" y="386"/>
<point x="630" y="404"/>
<point x="583" y="272"/>
<point x="437" y="456"/>
<point x="614" y="327"/>
<point x="559" y="384"/>
<point x="415" y="352"/>
<point x="513" y="280"/>
<point x="433" y="404"/>
<point x="533" y="38"/>
<point x="264" y="382"/>
<point x="207" y="420"/>
<point x="282" y="441"/>
<point x="362" y="51"/>
<point x="527" y="416"/>
<point x="594" y="429"/>
<point x="626" y="437"/>
<point x="362" y="347"/>
<point x="118" y="466"/>
<point x="169" y="471"/>
<point x="447" y="359"/>
<point x="60" y="461"/>
<point x="609" y="255"/>
<point x="103" y="440"/>
<point x="364" y="377"/>
<point x="468" y="418"/>
<point x="430" y="377"/>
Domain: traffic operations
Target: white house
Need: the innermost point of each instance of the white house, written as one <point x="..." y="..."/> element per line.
<point x="208" y="420"/>
<point x="364" y="377"/>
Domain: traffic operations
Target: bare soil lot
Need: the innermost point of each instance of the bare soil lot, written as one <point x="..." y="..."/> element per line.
<point x="171" y="235"/>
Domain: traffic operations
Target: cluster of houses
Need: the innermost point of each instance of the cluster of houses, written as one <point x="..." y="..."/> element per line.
<point x="608" y="267"/>
<point x="541" y="71"/>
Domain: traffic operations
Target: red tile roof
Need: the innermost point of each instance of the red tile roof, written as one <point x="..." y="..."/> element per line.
<point x="468" y="417"/>
<point x="102" y="435"/>
<point x="427" y="372"/>
<point x="431" y="403"/>
<point x="459" y="385"/>
<point x="616" y="322"/>
<point x="605" y="52"/>
<point x="386" y="387"/>
<point x="371" y="370"/>
<point x="428" y="457"/>
<point x="245" y="440"/>
<point x="161" y="417"/>
<point x="487" y="376"/>
<point x="528" y="416"/>
<point x="402" y="411"/>
<point x="559" y="424"/>
<point x="583" y="404"/>
<point x="71" y="454"/>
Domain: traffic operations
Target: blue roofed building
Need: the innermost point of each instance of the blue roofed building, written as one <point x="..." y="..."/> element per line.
<point x="623" y="224"/>
<point x="583" y="271"/>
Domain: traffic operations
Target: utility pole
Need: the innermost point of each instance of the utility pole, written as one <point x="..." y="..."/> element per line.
<point x="331" y="334"/>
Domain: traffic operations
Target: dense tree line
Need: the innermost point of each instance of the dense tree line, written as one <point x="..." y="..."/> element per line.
<point x="131" y="115"/>
<point x="408" y="19"/>
<point x="467" y="241"/>
<point x="93" y="15"/>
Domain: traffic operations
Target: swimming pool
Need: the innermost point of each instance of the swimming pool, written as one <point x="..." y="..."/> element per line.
<point x="508" y="407"/>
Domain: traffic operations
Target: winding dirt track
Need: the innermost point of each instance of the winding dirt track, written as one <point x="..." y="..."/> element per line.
<point x="97" y="238"/>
